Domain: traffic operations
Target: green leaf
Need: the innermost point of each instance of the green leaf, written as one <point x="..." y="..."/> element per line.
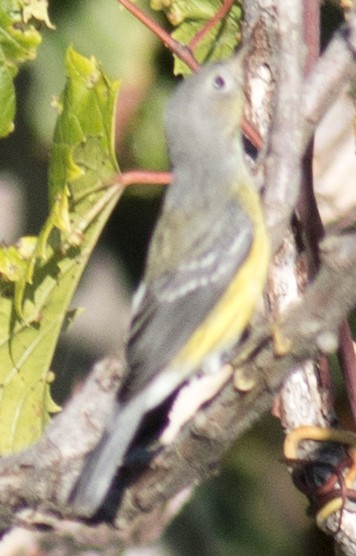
<point x="38" y="276"/>
<point x="190" y="16"/>
<point x="19" y="40"/>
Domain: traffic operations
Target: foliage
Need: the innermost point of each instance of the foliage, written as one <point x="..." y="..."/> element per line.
<point x="39" y="275"/>
<point x="189" y="18"/>
<point x="19" y="40"/>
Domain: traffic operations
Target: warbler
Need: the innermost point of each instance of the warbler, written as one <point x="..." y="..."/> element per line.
<point x="206" y="266"/>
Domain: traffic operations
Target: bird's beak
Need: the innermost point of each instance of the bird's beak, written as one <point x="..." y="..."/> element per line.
<point x="236" y="63"/>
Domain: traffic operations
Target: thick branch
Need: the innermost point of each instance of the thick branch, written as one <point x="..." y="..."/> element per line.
<point x="333" y="69"/>
<point x="295" y="122"/>
<point x="42" y="476"/>
<point x="285" y="150"/>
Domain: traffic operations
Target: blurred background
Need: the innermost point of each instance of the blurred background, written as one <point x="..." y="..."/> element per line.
<point x="251" y="508"/>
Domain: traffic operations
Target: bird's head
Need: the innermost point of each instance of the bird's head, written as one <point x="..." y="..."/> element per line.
<point x="206" y="110"/>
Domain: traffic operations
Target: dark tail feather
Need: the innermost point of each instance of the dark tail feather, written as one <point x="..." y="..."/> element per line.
<point x="103" y="462"/>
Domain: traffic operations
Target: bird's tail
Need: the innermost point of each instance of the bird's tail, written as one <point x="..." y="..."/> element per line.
<point x="103" y="462"/>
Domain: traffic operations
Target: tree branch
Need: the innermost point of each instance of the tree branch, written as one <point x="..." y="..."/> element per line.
<point x="34" y="485"/>
<point x="333" y="69"/>
<point x="41" y="477"/>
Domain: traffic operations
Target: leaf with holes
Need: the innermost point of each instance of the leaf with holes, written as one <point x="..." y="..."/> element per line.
<point x="190" y="16"/>
<point x="38" y="276"/>
<point x="19" y="40"/>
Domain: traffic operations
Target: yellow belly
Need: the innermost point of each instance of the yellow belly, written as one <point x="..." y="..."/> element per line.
<point x="229" y="318"/>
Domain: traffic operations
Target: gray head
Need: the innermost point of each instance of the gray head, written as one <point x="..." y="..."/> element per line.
<point x="205" y="112"/>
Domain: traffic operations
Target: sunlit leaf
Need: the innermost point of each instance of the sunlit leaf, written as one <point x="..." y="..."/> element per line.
<point x="190" y="16"/>
<point x="19" y="40"/>
<point x="38" y="277"/>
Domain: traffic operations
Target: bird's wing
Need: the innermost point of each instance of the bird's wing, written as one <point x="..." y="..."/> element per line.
<point x="170" y="308"/>
<point x="173" y="305"/>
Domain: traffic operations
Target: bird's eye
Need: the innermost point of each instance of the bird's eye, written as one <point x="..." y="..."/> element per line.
<point x="219" y="82"/>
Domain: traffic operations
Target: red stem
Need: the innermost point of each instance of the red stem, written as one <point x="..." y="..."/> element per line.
<point x="183" y="52"/>
<point x="307" y="205"/>
<point x="310" y="216"/>
<point x="252" y="134"/>
<point x="220" y="14"/>
<point x="144" y="177"/>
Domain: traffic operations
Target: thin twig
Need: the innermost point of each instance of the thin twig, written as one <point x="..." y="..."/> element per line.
<point x="220" y="14"/>
<point x="333" y="69"/>
<point x="310" y="217"/>
<point x="252" y="134"/>
<point x="144" y="177"/>
<point x="183" y="52"/>
<point x="285" y="152"/>
<point x="307" y="206"/>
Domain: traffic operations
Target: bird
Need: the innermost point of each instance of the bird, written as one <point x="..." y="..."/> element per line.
<point x="205" y="271"/>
